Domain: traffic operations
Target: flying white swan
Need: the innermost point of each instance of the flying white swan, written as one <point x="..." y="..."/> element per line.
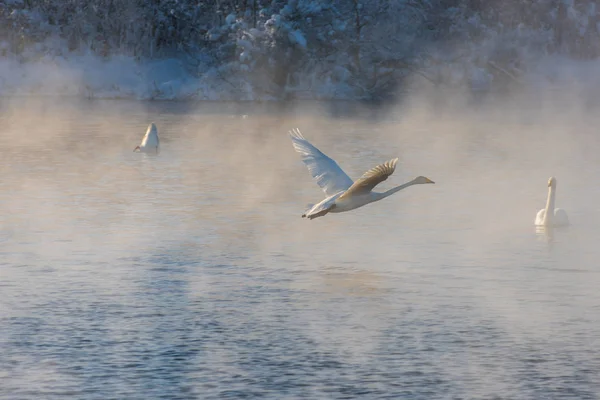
<point x="150" y="142"/>
<point x="551" y="216"/>
<point x="342" y="193"/>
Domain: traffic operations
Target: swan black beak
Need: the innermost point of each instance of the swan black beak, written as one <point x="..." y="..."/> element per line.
<point x="429" y="181"/>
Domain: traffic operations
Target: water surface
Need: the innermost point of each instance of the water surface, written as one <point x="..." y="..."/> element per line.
<point x="190" y="275"/>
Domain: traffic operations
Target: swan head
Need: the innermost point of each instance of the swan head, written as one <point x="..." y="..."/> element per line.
<point x="137" y="148"/>
<point x="422" y="179"/>
<point x="552" y="182"/>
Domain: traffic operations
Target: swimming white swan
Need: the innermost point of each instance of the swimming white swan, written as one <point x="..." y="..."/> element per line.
<point x="342" y="193"/>
<point x="150" y="142"/>
<point x="551" y="216"/>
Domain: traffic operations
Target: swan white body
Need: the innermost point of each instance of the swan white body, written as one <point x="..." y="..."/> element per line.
<point x="551" y="216"/>
<point x="343" y="194"/>
<point x="150" y="142"/>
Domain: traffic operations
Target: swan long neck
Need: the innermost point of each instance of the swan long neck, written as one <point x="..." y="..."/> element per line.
<point x="390" y="192"/>
<point x="550" y="204"/>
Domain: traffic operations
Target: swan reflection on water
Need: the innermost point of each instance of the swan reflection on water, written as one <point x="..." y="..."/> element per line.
<point x="545" y="233"/>
<point x="549" y="234"/>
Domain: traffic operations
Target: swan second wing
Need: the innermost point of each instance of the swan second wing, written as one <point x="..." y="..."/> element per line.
<point x="372" y="178"/>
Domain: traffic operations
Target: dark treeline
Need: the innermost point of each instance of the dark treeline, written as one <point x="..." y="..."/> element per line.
<point x="368" y="45"/>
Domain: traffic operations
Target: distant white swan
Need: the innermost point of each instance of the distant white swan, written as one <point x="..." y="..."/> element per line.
<point x="342" y="193"/>
<point x="150" y="142"/>
<point x="551" y="216"/>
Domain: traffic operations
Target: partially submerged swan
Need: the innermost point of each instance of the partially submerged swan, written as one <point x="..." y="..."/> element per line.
<point x="150" y="142"/>
<point x="342" y="193"/>
<point x="551" y="216"/>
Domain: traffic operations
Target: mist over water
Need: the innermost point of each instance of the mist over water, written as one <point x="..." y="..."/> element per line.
<point x="191" y="274"/>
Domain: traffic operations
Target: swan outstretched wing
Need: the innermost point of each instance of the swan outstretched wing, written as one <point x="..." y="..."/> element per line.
<point x="328" y="174"/>
<point x="372" y="178"/>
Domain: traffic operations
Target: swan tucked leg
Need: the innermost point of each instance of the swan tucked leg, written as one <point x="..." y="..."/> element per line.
<point x="322" y="208"/>
<point x="319" y="213"/>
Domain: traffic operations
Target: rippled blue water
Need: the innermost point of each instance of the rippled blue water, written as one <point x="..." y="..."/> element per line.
<point x="191" y="275"/>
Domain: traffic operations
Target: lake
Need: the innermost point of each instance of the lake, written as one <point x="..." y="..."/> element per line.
<point x="191" y="275"/>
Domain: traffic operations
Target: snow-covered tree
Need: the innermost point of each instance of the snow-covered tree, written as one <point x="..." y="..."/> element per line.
<point x="285" y="47"/>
